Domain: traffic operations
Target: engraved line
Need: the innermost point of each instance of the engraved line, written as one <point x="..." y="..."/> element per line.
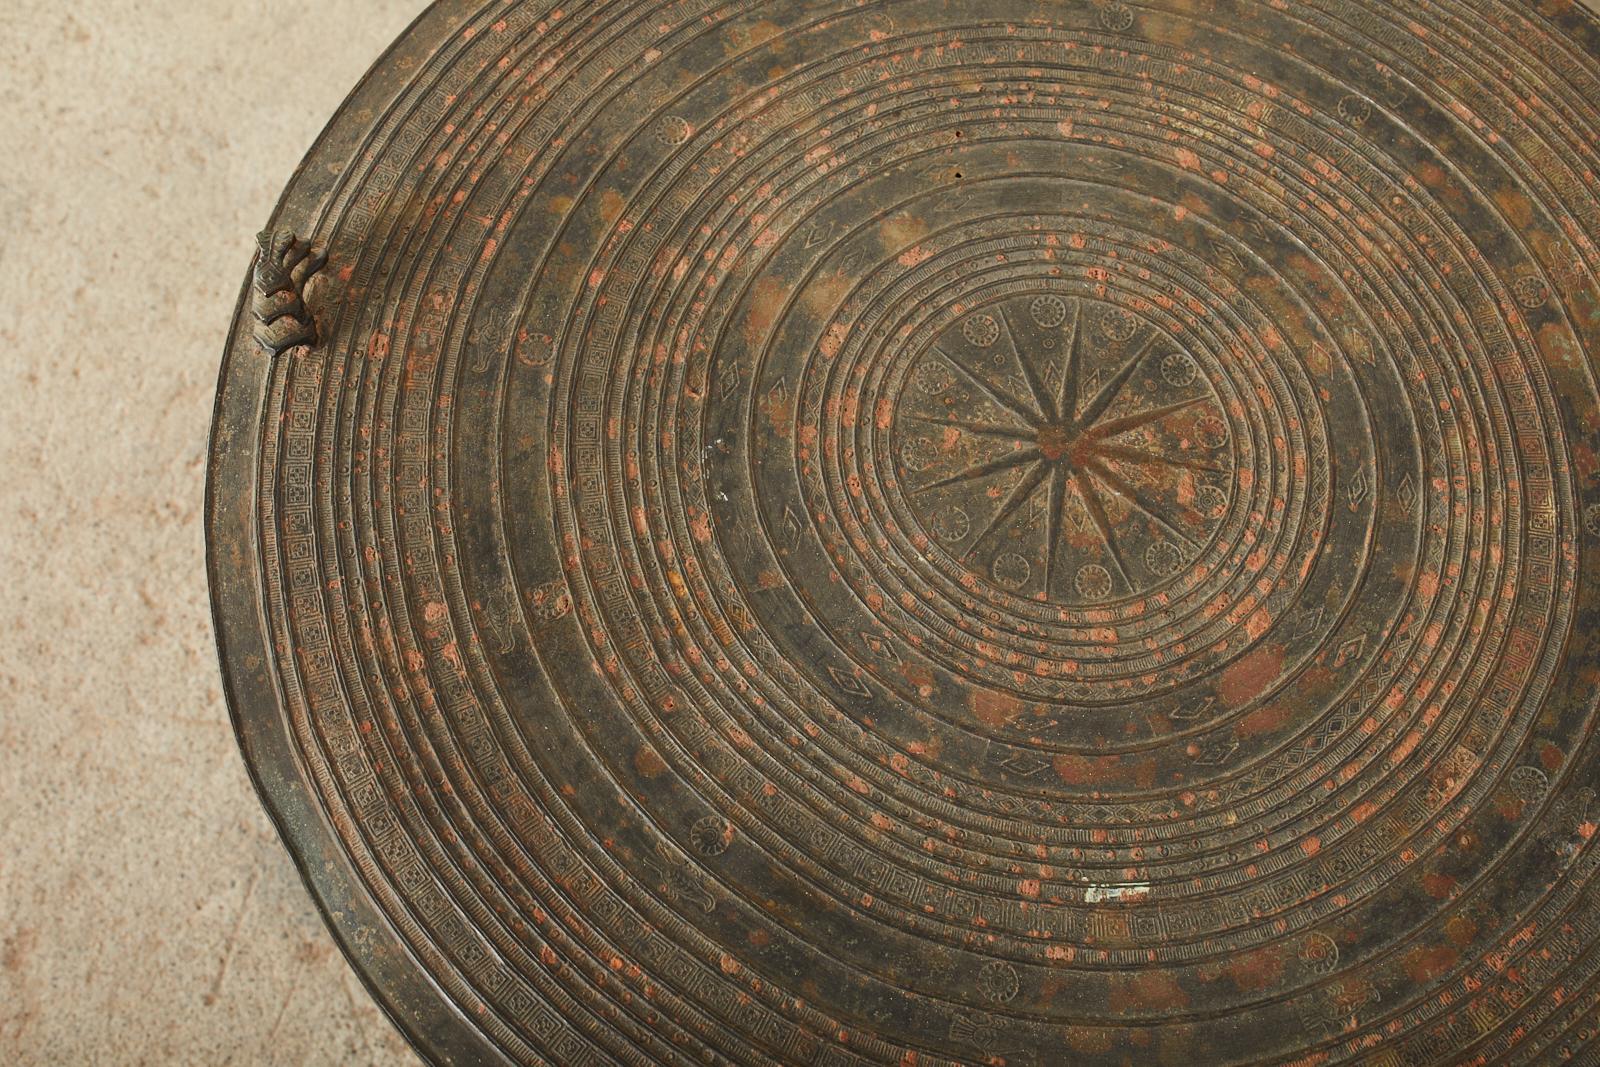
<point x="1058" y="507"/>
<point x="1138" y="499"/>
<point x="1112" y="389"/>
<point x="1015" y="499"/>
<point x="990" y="391"/>
<point x="1139" y="455"/>
<point x="1041" y="396"/>
<point x="983" y="429"/>
<point x="1097" y="512"/>
<point x="985" y="469"/>
<point x="1067" y="398"/>
<point x="1140" y="418"/>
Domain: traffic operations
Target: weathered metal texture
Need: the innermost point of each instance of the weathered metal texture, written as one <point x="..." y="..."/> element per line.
<point x="920" y="532"/>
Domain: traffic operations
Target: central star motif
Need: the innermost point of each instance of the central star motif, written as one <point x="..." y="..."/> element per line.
<point x="1078" y="437"/>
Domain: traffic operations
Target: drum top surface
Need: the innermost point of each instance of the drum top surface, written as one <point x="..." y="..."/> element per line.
<point x="938" y="532"/>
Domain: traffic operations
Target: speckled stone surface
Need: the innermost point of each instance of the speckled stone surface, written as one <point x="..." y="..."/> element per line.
<point x="148" y="914"/>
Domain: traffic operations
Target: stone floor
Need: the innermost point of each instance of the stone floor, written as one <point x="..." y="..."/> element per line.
<point x="148" y="914"/>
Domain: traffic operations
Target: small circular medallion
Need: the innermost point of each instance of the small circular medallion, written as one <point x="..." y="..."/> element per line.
<point x="1048" y="311"/>
<point x="981" y="330"/>
<point x="1093" y="582"/>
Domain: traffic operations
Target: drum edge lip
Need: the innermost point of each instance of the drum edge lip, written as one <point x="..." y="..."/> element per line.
<point x="398" y="983"/>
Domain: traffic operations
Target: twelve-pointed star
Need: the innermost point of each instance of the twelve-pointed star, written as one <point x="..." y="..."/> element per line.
<point x="1063" y="441"/>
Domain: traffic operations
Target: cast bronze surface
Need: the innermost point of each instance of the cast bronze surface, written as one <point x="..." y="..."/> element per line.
<point x="930" y="532"/>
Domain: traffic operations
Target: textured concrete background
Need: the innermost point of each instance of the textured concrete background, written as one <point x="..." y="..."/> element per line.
<point x="148" y="914"/>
